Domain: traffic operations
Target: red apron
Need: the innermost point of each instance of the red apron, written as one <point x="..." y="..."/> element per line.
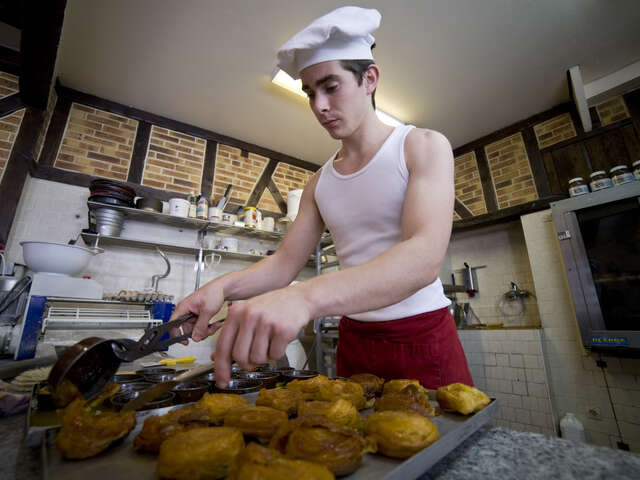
<point x="423" y="347"/>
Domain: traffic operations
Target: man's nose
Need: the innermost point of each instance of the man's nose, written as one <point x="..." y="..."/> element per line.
<point x="320" y="103"/>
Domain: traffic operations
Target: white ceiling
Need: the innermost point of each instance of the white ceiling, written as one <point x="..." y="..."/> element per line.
<point x="463" y="67"/>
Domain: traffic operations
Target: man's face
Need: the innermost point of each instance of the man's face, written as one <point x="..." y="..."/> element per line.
<point x="335" y="97"/>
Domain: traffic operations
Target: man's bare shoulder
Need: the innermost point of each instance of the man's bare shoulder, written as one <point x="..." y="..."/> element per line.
<point x="422" y="145"/>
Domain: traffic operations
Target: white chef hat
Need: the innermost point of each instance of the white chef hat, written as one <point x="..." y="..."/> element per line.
<point x="342" y="34"/>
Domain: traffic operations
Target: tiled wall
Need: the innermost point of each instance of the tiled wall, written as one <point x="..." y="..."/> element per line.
<point x="468" y="185"/>
<point x="97" y="143"/>
<point x="174" y="161"/>
<point x="554" y="130"/>
<point x="502" y="249"/>
<point x="9" y="127"/>
<point x="509" y="365"/>
<point x="612" y="111"/>
<point x="510" y="171"/>
<point x="241" y="171"/>
<point x="8" y="84"/>
<point x="577" y="384"/>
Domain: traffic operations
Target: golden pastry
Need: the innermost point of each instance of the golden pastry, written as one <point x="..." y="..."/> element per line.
<point x="335" y="389"/>
<point x="284" y="399"/>
<point x="400" y="434"/>
<point x="397" y="385"/>
<point x="218" y="404"/>
<point x="86" y="432"/>
<point x="308" y="387"/>
<point x="461" y="398"/>
<point x="371" y="384"/>
<point x="256" y="421"/>
<point x="316" y="439"/>
<point x="199" y="454"/>
<point x="158" y="428"/>
<point x="340" y="412"/>
<point x="261" y="463"/>
<point x="409" y="398"/>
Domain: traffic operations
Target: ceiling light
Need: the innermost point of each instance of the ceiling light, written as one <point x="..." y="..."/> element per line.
<point x="283" y="80"/>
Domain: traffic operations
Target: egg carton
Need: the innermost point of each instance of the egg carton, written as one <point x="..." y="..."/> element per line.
<point x="137" y="296"/>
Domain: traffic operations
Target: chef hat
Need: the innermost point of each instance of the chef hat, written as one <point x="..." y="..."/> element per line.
<point x="342" y="34"/>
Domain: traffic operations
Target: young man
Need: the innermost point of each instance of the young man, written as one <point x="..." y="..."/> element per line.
<point x="386" y="197"/>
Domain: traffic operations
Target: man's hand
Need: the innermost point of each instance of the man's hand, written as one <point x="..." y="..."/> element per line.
<point x="259" y="330"/>
<point x="204" y="303"/>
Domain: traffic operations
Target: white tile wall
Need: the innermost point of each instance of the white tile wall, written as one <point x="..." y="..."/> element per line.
<point x="515" y="376"/>
<point x="502" y="249"/>
<point x="577" y="385"/>
<point x="57" y="212"/>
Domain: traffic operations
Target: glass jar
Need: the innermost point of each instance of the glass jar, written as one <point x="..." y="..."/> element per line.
<point x="202" y="207"/>
<point x="577" y="187"/>
<point x="193" y="207"/>
<point x="621" y="174"/>
<point x="636" y="169"/>
<point x="600" y="181"/>
<point x="250" y="217"/>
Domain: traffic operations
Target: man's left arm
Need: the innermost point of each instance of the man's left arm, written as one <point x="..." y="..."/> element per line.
<point x="415" y="262"/>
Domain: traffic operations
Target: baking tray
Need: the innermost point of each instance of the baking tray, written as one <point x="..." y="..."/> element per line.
<point x="121" y="461"/>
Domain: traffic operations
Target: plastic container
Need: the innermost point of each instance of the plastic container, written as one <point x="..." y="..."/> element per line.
<point x="600" y="181"/>
<point x="621" y="174"/>
<point x="577" y="187"/>
<point x="202" y="208"/>
<point x="293" y="203"/>
<point x="571" y="428"/>
<point x="636" y="169"/>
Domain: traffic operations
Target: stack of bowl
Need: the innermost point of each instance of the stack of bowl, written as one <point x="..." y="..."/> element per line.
<point x="108" y="221"/>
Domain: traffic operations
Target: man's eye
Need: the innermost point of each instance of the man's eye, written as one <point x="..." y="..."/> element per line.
<point x="331" y="88"/>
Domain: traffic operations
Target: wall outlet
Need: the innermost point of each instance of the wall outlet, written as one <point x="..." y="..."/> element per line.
<point x="595" y="413"/>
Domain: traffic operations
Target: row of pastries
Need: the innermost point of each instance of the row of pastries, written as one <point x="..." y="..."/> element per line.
<point x="308" y="429"/>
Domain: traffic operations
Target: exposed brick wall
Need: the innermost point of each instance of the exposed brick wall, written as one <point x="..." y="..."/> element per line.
<point x="456" y="216"/>
<point x="9" y="127"/>
<point x="97" y="143"/>
<point x="174" y="161"/>
<point x="8" y="84"/>
<point x="612" y="111"/>
<point x="51" y="105"/>
<point x="241" y="172"/>
<point x="468" y="184"/>
<point x="510" y="171"/>
<point x="288" y="177"/>
<point x="267" y="202"/>
<point x="554" y="130"/>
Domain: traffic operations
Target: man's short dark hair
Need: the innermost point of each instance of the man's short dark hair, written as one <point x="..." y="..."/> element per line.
<point x="358" y="67"/>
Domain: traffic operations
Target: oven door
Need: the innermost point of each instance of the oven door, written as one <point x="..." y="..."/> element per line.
<point x="599" y="236"/>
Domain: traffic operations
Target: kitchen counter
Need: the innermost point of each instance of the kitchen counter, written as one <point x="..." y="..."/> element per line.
<point x="490" y="453"/>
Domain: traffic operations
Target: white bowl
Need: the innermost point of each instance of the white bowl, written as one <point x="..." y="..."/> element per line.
<point x="59" y="258"/>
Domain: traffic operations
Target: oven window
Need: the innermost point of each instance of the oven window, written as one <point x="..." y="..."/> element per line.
<point x="611" y="235"/>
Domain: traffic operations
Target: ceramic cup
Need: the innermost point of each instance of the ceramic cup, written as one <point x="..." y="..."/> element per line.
<point x="179" y="207"/>
<point x="215" y="214"/>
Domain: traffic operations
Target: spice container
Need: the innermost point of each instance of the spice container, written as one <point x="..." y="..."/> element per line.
<point x="621" y="174"/>
<point x="577" y="187"/>
<point x="636" y="169"/>
<point x="250" y="217"/>
<point x="600" y="181"/>
<point x="202" y="209"/>
<point x="192" y="205"/>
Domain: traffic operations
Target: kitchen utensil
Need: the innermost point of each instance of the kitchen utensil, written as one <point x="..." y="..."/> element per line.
<point x="59" y="258"/>
<point x="149" y="204"/>
<point x="121" y="400"/>
<point x="269" y="379"/>
<point x="161" y="388"/>
<point x="225" y="198"/>
<point x="212" y="259"/>
<point x="179" y="207"/>
<point x="299" y="375"/>
<point x="126" y="378"/>
<point x="171" y="362"/>
<point x="240" y="386"/>
<point x="90" y="363"/>
<point x="191" y="391"/>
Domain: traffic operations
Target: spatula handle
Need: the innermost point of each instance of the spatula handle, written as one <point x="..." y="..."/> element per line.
<point x="194" y="372"/>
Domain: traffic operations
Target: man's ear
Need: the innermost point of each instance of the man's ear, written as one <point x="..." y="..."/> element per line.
<point x="370" y="78"/>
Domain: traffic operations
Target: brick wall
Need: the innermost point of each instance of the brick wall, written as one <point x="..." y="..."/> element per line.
<point x="241" y="172"/>
<point x="174" y="161"/>
<point x="468" y="185"/>
<point x="9" y="127"/>
<point x="510" y="171"/>
<point x="267" y="202"/>
<point x="8" y="84"/>
<point x="97" y="143"/>
<point x="612" y="111"/>
<point x="554" y="130"/>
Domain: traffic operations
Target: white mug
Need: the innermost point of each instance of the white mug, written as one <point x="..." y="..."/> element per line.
<point x="179" y="207"/>
<point x="212" y="259"/>
<point x="215" y="214"/>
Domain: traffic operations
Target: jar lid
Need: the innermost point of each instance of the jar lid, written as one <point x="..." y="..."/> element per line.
<point x="619" y="167"/>
<point x="249" y="208"/>
<point x="577" y="179"/>
<point x="599" y="172"/>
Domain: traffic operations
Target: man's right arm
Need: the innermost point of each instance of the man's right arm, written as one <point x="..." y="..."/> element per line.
<point x="273" y="272"/>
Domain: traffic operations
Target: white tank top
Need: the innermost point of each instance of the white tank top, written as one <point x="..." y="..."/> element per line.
<point x="363" y="212"/>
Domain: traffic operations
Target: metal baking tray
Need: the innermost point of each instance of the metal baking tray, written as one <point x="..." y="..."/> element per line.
<point x="121" y="461"/>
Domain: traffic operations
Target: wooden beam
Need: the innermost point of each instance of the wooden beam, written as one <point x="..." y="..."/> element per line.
<point x="56" y="129"/>
<point x="19" y="164"/>
<point x="141" y="115"/>
<point x="262" y="183"/>
<point x="489" y="192"/>
<point x="536" y="163"/>
<point x="588" y="135"/>
<point x="462" y="210"/>
<point x="277" y="196"/>
<point x="10" y="61"/>
<point x="209" y="167"/>
<point x="10" y="104"/>
<point x="139" y="154"/>
<point x="632" y="99"/>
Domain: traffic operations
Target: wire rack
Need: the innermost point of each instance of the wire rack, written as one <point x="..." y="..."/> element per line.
<point x="70" y="317"/>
